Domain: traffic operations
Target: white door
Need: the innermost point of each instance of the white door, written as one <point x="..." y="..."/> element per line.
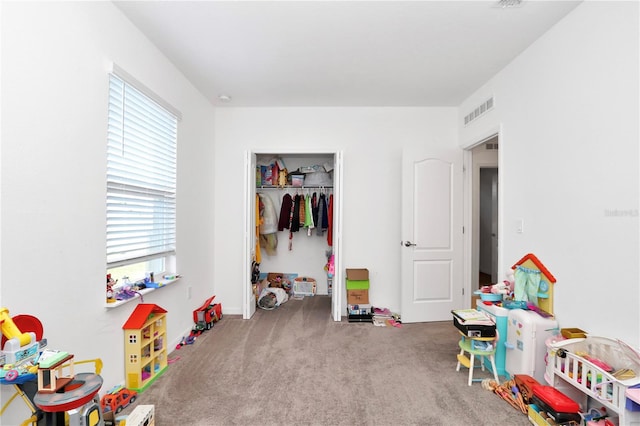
<point x="250" y="238"/>
<point x="432" y="267"/>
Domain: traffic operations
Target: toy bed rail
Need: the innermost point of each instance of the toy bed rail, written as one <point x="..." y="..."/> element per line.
<point x="581" y="362"/>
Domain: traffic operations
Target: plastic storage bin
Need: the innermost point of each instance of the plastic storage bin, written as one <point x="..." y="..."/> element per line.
<point x="526" y="349"/>
<point x="572" y="333"/>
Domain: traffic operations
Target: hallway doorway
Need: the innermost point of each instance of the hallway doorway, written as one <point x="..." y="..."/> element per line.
<point x="483" y="279"/>
<point x="484" y="237"/>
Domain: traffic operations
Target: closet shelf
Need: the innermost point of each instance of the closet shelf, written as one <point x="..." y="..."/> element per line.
<point x="295" y="187"/>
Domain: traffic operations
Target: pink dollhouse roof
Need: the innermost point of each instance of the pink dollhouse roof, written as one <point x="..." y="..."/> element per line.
<point x="140" y="315"/>
<point x="539" y="264"/>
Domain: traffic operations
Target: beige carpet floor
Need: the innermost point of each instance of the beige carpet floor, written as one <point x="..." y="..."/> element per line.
<point x="296" y="366"/>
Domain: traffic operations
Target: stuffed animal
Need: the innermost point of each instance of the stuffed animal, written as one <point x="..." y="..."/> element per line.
<point x="505" y="287"/>
<point x="282" y="178"/>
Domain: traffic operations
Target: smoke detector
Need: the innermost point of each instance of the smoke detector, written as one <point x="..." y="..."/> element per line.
<point x="509" y="3"/>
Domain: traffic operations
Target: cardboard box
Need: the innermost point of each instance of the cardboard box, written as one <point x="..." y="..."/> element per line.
<point x="357" y="297"/>
<point x="275" y="278"/>
<point x="358" y="274"/>
<point x="357" y="279"/>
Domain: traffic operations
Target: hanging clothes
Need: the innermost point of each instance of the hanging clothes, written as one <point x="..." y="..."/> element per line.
<point x="308" y="214"/>
<point x="295" y="222"/>
<point x="291" y="228"/>
<point x="314" y="209"/>
<point x="322" y="220"/>
<point x="330" y="227"/>
<point x="285" y="212"/>
<point x="301" y="213"/>
<point x="325" y="214"/>
<point x="269" y="221"/>
<point x="268" y="225"/>
<point x="258" y="255"/>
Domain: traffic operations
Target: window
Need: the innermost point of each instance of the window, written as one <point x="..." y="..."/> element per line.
<point x="141" y="178"/>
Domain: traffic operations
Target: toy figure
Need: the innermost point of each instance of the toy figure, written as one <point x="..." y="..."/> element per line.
<point x="110" y="283"/>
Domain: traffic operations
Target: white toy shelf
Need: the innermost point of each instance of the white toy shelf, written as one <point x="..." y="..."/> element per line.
<point x="595" y="371"/>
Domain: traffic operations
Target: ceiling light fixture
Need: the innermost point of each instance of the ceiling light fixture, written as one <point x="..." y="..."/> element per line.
<point x="509" y="3"/>
<point x="224" y="98"/>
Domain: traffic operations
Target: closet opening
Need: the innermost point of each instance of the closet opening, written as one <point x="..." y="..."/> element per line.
<point x="293" y="220"/>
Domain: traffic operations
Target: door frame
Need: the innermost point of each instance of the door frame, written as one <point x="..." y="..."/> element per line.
<point x="248" y="305"/>
<point x="468" y="208"/>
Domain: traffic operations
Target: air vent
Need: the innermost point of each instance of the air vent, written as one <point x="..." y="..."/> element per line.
<point x="509" y="3"/>
<point x="491" y="146"/>
<point x="479" y="111"/>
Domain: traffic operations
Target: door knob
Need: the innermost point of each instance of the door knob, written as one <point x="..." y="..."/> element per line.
<point x="408" y="244"/>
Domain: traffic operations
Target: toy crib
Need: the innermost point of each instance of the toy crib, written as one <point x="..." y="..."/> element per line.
<point x="599" y="371"/>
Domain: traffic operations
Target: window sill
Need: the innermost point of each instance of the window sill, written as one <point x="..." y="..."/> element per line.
<point x="140" y="294"/>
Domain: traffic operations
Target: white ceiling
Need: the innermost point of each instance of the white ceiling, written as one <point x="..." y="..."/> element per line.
<point x="342" y="53"/>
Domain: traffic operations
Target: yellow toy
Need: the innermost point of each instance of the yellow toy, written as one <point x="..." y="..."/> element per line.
<point x="11" y="331"/>
<point x="282" y="178"/>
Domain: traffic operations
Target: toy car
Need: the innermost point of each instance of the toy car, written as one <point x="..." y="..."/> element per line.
<point x="117" y="399"/>
<point x="207" y="314"/>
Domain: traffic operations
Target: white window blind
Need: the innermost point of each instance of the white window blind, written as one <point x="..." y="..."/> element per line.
<point x="141" y="176"/>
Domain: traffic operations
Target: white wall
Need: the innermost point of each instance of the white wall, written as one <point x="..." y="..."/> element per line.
<point x="372" y="140"/>
<point x="568" y="107"/>
<point x="55" y="59"/>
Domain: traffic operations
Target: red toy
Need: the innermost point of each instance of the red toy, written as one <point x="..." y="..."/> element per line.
<point x="117" y="399"/>
<point x="525" y="384"/>
<point x="556" y="404"/>
<point x="208" y="314"/>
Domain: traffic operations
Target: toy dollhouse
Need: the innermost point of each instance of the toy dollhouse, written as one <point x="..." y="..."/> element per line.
<point x="534" y="283"/>
<point x="145" y="346"/>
